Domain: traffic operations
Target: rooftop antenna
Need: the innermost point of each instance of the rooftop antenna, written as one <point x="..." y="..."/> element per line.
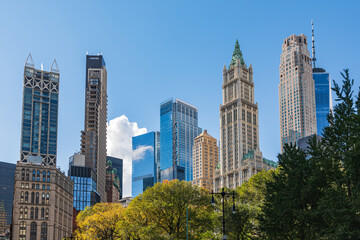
<point x="29" y="61"/>
<point x="313" y="43"/>
<point x="87" y="53"/>
<point x="54" y="67"/>
<point x="42" y="66"/>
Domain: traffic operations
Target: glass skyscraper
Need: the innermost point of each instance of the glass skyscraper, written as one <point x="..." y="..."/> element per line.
<point x="145" y="161"/>
<point x="40" y="114"/>
<point x="322" y="98"/>
<point x="84" y="178"/>
<point x="7" y="177"/>
<point x="117" y="163"/>
<point x="178" y="128"/>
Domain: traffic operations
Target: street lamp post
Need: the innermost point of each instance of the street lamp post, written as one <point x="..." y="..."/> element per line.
<point x="223" y="194"/>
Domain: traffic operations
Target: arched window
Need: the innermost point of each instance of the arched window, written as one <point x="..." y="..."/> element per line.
<point x="47" y="198"/>
<point x="47" y="213"/>
<point x="48" y="176"/>
<point x="22" y="235"/>
<point x="44" y="231"/>
<point x="26" y="197"/>
<point x="32" y="198"/>
<point x="37" y="198"/>
<point x="33" y="231"/>
<point x="36" y="213"/>
<point x="43" y="198"/>
<point x="44" y="176"/>
<point x="23" y="174"/>
<point x="22" y="197"/>
<point x="42" y="213"/>
<point x="25" y="212"/>
<point x="32" y="213"/>
<point x="21" y="212"/>
<point x="38" y="175"/>
<point x="33" y="175"/>
<point x="27" y="174"/>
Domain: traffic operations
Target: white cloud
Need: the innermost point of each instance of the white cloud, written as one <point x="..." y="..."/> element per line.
<point x="119" y="144"/>
<point x="140" y="151"/>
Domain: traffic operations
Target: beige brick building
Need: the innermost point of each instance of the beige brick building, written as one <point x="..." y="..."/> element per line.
<point x="43" y="203"/>
<point x="296" y="91"/>
<point x="205" y="160"/>
<point x="240" y="155"/>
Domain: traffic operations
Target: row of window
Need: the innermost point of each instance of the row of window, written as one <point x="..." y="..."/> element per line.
<point x="34" y="213"/>
<point x="35" y="198"/>
<point x="33" y="231"/>
<point x="36" y="175"/>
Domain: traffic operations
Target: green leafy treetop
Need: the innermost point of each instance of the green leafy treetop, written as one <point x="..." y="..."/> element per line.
<point x="237" y="54"/>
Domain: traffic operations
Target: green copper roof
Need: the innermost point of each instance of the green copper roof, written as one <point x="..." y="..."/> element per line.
<point x="237" y="54"/>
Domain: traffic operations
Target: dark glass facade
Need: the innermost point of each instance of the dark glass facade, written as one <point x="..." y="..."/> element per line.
<point x="7" y="178"/>
<point x="85" y="193"/>
<point x="179" y="128"/>
<point x="117" y="163"/>
<point x="322" y="98"/>
<point x="40" y="114"/>
<point x="145" y="161"/>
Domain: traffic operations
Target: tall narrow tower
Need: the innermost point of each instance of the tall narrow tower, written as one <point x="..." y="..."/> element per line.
<point x="296" y="91"/>
<point x="240" y="155"/>
<point x="93" y="138"/>
<point x="40" y="114"/>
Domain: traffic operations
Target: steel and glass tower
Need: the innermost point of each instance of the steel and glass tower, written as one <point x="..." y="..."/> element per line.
<point x="145" y="161"/>
<point x="93" y="138"/>
<point x="40" y="114"/>
<point x="178" y="129"/>
<point x="296" y="91"/>
<point x="323" y="97"/>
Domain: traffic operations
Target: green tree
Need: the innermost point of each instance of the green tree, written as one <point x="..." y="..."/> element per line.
<point x="160" y="212"/>
<point x="315" y="194"/>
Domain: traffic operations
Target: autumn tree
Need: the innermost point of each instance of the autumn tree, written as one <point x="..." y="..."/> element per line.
<point x="101" y="221"/>
<point x="160" y="212"/>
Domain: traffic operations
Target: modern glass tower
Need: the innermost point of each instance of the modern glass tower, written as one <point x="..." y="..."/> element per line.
<point x="7" y="177"/>
<point x="145" y="161"/>
<point x="323" y="97"/>
<point x="178" y="128"/>
<point x="117" y="163"/>
<point x="93" y="138"/>
<point x="40" y="114"/>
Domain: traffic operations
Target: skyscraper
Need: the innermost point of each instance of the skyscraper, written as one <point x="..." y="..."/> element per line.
<point x="43" y="195"/>
<point x="117" y="163"/>
<point x="40" y="114"/>
<point x="93" y="138"/>
<point x="145" y="161"/>
<point x="7" y="175"/>
<point x="112" y="186"/>
<point x="205" y="160"/>
<point x="178" y="128"/>
<point x="239" y="129"/>
<point x="323" y="97"/>
<point x="296" y="91"/>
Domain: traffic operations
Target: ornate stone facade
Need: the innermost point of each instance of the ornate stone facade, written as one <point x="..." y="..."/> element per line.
<point x="43" y="203"/>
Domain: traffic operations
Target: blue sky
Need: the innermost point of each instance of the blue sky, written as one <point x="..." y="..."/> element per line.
<point x="156" y="49"/>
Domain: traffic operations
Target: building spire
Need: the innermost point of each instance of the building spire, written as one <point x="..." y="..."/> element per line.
<point x="237" y="54"/>
<point x="313" y="44"/>
<point x="29" y="61"/>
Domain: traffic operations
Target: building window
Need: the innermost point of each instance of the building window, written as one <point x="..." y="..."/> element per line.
<point x="33" y="227"/>
<point x="44" y="176"/>
<point x="37" y="198"/>
<point x="21" y="213"/>
<point x="32" y="197"/>
<point x="22" y="235"/>
<point x="43" y="198"/>
<point x="47" y="213"/>
<point x="22" y="197"/>
<point x="36" y="213"/>
<point x="26" y="197"/>
<point x="32" y="213"/>
<point x="33" y="175"/>
<point x="47" y="198"/>
<point x="23" y="174"/>
<point x="42" y="213"/>
<point x="44" y="231"/>
<point x="27" y="174"/>
<point x="38" y="175"/>
<point x="48" y="176"/>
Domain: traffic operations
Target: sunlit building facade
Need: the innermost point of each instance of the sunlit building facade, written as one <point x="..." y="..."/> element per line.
<point x="296" y="91"/>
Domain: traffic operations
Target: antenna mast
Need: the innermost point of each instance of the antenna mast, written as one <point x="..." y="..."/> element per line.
<point x="313" y="44"/>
